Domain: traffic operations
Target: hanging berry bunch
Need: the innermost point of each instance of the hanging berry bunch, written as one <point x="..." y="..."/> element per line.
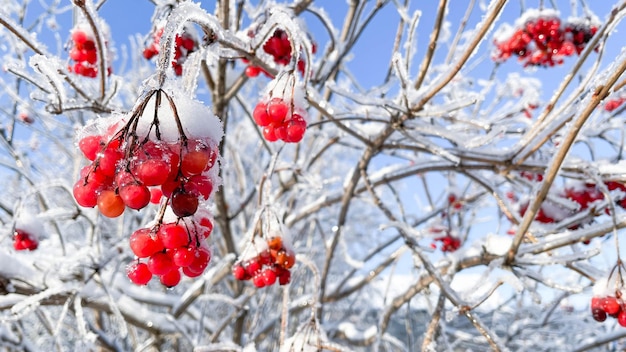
<point x="582" y="196"/>
<point x="614" y="103"/>
<point x="270" y="263"/>
<point x="608" y="297"/>
<point x="28" y="229"/>
<point x="269" y="256"/>
<point x="23" y="240"/>
<point x="279" y="47"/>
<point x="540" y="38"/>
<point x="84" y="52"/>
<point x="449" y="242"/>
<point x="168" y="246"/>
<point x="168" y="143"/>
<point x="444" y="235"/>
<point x="185" y="44"/>
<point x="282" y="113"/>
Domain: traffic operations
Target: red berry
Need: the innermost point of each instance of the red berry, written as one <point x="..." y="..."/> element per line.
<point x="269" y="276"/>
<point x="152" y="172"/>
<point x="260" y="115"/>
<point x="135" y="196"/>
<point x="199" y="185"/>
<point x="194" y="162"/>
<point x="173" y="236"/>
<point x="269" y="133"/>
<point x="253" y="266"/>
<point x="189" y="272"/>
<point x="144" y="243"/>
<point x="155" y="195"/>
<point x="183" y="256"/>
<point x="253" y="71"/>
<point x="110" y="204"/>
<point x="124" y="178"/>
<point x="295" y="129"/>
<point x="79" y="37"/>
<point x="621" y="318"/>
<point x="90" y="146"/>
<point x="107" y="163"/>
<point x="184" y="204"/>
<point x="160" y="264"/>
<point x="258" y="281"/>
<point x="86" y="193"/>
<point x="239" y="272"/>
<point x="170" y="279"/>
<point x="138" y="273"/>
<point x="281" y="132"/>
<point x="277" y="110"/>
<point x="284" y="277"/>
<point x="610" y="305"/>
<point x="201" y="260"/>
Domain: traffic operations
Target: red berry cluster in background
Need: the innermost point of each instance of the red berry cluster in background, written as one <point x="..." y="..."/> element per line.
<point x="125" y="175"/>
<point x="268" y="265"/>
<point x="280" y="119"/>
<point x="185" y="45"/>
<point x="584" y="195"/>
<point x="279" y="47"/>
<point x="443" y="234"/>
<point x="23" y="240"/>
<point x="449" y="243"/>
<point x="614" y="103"/>
<point x="166" y="249"/>
<point x="84" y="52"/>
<point x="161" y="154"/>
<point x="612" y="306"/>
<point x="541" y="39"/>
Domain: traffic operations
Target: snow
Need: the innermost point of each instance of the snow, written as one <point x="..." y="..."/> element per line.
<point x="352" y="333"/>
<point x="498" y="244"/>
<point x="196" y="119"/>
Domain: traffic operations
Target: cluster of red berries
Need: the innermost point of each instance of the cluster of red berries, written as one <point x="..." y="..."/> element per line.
<point x="122" y="175"/>
<point x="279" y="47"/>
<point x="454" y="202"/>
<point x="584" y="195"/>
<point x="449" y="243"/>
<point x="268" y="266"/>
<point x="168" y="249"/>
<point x="280" y="120"/>
<point x="84" y="53"/>
<point x="23" y="240"/>
<point x="611" y="305"/>
<point x="613" y="104"/>
<point x="185" y="45"/>
<point x="542" y="40"/>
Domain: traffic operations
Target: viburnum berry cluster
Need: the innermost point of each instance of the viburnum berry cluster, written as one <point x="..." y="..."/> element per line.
<point x="84" y="52"/>
<point x="440" y="228"/>
<point x="167" y="248"/>
<point x="607" y="299"/>
<point x="282" y="113"/>
<point x="185" y="43"/>
<point x="540" y="38"/>
<point x="157" y="154"/>
<point x="132" y="175"/>
<point x="583" y="194"/>
<point x="614" y="103"/>
<point x="270" y="263"/>
<point x="449" y="243"/>
<point x="280" y="48"/>
<point x="23" y="240"/>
